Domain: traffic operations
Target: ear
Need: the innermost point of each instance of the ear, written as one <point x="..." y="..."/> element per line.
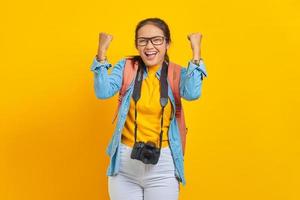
<point x="168" y="46"/>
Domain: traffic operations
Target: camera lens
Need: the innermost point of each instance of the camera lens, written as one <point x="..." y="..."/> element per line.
<point x="151" y="144"/>
<point x="147" y="154"/>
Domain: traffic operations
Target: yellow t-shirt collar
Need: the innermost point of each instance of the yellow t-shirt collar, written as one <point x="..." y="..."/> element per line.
<point x="153" y="69"/>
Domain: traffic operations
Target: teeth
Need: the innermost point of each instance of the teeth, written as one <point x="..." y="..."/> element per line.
<point x="150" y="53"/>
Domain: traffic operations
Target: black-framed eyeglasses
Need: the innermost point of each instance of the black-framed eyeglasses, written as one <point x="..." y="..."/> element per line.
<point x="156" y="40"/>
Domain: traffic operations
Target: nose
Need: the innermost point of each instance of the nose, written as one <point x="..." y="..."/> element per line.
<point x="147" y="45"/>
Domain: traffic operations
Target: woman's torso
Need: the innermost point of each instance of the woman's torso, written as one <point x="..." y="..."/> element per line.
<point x="149" y="112"/>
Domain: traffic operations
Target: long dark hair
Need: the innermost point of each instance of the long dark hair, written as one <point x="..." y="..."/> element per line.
<point x="161" y="24"/>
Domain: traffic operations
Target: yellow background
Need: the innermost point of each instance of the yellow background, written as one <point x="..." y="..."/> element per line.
<point x="243" y="140"/>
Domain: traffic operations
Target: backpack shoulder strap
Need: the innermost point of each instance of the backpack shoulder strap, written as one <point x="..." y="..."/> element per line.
<point x="174" y="75"/>
<point x="129" y="72"/>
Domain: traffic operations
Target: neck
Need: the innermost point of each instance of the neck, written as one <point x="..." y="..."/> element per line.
<point x="154" y="68"/>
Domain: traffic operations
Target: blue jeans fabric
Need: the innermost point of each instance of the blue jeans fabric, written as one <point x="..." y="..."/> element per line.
<point x="139" y="181"/>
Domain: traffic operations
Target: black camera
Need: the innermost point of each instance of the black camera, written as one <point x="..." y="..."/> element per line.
<point x="145" y="152"/>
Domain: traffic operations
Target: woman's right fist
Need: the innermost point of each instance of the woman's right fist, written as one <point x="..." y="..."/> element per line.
<point x="104" y="41"/>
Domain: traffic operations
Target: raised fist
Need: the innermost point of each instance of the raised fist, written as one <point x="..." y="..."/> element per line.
<point x="195" y="39"/>
<point x="104" y="41"/>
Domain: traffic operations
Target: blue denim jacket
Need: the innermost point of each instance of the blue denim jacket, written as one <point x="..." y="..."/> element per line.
<point x="107" y="85"/>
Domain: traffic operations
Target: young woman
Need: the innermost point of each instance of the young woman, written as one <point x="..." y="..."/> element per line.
<point x="146" y="156"/>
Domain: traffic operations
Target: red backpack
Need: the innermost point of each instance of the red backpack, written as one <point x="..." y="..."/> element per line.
<point x="174" y="72"/>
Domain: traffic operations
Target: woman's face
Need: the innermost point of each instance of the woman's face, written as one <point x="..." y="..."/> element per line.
<point x="152" y="54"/>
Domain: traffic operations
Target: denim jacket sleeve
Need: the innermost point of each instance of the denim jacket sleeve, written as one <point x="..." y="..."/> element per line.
<point x="107" y="85"/>
<point x="191" y="80"/>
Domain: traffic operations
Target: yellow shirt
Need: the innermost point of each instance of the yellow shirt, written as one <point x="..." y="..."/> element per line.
<point x="149" y="113"/>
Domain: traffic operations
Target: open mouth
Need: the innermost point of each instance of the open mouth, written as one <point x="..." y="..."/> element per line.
<point x="151" y="55"/>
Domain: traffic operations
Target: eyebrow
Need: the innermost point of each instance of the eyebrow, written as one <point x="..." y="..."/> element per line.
<point x="151" y="37"/>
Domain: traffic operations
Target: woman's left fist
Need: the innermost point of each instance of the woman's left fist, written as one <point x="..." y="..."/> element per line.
<point x="195" y="39"/>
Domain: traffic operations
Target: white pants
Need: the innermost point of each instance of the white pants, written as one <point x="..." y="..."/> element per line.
<point x="139" y="181"/>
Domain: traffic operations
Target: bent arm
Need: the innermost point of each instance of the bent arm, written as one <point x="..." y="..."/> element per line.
<point x="107" y="85"/>
<point x="191" y="80"/>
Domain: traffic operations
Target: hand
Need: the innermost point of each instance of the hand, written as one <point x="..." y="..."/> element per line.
<point x="104" y="42"/>
<point x="195" y="39"/>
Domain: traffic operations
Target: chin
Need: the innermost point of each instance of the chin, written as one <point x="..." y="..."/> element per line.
<point x="151" y="62"/>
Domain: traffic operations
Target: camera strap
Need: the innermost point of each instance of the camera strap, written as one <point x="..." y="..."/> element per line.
<point x="163" y="93"/>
